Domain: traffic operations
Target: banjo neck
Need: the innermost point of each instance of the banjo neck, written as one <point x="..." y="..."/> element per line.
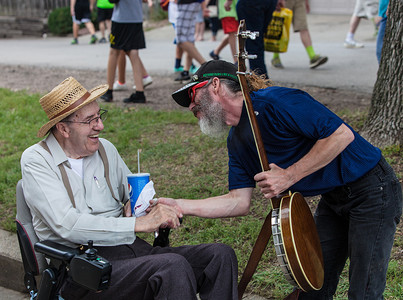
<point x="244" y="34"/>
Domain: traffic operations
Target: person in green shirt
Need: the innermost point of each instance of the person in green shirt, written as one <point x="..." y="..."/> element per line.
<point x="229" y="21"/>
<point x="105" y="10"/>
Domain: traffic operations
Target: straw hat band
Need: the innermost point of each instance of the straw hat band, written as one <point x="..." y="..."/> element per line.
<point x="66" y="98"/>
<point x="74" y="105"/>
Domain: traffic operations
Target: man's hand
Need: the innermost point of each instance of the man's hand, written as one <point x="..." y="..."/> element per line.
<point x="160" y="215"/>
<point x="280" y="5"/>
<point x="227" y="5"/>
<point x="169" y="201"/>
<point x="273" y="182"/>
<point x="377" y="20"/>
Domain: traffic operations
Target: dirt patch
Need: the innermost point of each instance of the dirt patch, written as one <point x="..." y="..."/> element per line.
<point x="42" y="80"/>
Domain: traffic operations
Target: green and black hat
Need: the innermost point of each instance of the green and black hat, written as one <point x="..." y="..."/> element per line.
<point x="210" y="69"/>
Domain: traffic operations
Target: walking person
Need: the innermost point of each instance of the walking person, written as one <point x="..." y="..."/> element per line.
<point x="257" y="15"/>
<point x="185" y="34"/>
<point x="364" y="9"/>
<point x="229" y="21"/>
<point x="81" y="13"/>
<point x="300" y="24"/>
<point x="127" y="34"/>
<point x="105" y="10"/>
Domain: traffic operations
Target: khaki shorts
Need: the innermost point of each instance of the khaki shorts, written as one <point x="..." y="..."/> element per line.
<point x="298" y="14"/>
<point x="366" y="9"/>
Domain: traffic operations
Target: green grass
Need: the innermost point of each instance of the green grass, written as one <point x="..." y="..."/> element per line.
<point x="182" y="163"/>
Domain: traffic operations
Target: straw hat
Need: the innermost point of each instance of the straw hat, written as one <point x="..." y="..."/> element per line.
<point x="68" y="97"/>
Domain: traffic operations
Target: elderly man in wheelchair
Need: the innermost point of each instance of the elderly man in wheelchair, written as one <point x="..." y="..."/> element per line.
<point x="73" y="199"/>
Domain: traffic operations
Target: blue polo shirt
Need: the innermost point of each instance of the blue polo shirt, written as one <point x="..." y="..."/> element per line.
<point x="291" y="121"/>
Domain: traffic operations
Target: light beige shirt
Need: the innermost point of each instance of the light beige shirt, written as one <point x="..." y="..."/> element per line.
<point x="97" y="215"/>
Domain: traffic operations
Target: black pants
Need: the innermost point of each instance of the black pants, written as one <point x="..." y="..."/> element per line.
<point x="140" y="271"/>
<point x="257" y="15"/>
<point x="358" y="221"/>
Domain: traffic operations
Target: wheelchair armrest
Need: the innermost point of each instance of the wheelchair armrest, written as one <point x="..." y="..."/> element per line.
<point x="57" y="251"/>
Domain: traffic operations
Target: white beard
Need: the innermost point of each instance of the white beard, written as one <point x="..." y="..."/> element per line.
<point x="212" y="122"/>
<point x="212" y="129"/>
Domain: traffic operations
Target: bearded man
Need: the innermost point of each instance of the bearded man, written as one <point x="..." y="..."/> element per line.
<point x="312" y="151"/>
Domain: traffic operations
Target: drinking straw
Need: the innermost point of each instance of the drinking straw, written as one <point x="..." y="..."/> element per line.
<point x="138" y="160"/>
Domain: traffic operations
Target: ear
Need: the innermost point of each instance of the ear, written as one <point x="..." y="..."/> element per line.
<point x="63" y="129"/>
<point x="216" y="84"/>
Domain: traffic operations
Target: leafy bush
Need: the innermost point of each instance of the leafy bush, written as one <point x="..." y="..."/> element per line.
<point x="157" y="14"/>
<point x="94" y="18"/>
<point x="59" y="21"/>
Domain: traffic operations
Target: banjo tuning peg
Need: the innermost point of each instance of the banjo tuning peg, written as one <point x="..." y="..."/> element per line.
<point x="245" y="55"/>
<point x="249" y="34"/>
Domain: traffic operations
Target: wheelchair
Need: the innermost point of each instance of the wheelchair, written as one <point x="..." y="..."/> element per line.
<point x="85" y="268"/>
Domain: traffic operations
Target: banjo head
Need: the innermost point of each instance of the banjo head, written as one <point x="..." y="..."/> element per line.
<point x="301" y="242"/>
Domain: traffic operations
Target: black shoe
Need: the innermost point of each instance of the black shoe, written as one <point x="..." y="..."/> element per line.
<point x="184" y="75"/>
<point x="214" y="56"/>
<point x="107" y="97"/>
<point x="135" y="98"/>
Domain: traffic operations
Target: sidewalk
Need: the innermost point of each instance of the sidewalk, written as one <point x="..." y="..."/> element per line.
<point x="347" y="68"/>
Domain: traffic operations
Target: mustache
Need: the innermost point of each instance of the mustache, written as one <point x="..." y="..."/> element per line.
<point x="196" y="109"/>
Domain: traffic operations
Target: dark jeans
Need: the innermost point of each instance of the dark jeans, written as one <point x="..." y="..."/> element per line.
<point x="379" y="39"/>
<point x="358" y="221"/>
<point x="257" y="15"/>
<point x="215" y="25"/>
<point x="140" y="271"/>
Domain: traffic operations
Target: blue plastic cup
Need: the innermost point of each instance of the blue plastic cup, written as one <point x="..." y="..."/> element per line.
<point x="136" y="183"/>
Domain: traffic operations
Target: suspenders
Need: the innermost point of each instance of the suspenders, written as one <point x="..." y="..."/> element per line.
<point x="65" y="179"/>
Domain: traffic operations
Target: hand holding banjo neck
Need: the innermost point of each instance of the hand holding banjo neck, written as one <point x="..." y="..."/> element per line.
<point x="294" y="233"/>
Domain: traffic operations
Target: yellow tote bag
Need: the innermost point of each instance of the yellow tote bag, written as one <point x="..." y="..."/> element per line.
<point x="278" y="32"/>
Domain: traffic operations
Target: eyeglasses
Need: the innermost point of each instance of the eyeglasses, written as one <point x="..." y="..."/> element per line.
<point x="94" y="121"/>
<point x="192" y="90"/>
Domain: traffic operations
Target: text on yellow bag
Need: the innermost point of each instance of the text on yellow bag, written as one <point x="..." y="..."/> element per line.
<point x="278" y="32"/>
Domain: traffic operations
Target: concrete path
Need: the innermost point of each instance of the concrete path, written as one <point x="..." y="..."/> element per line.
<point x="347" y="68"/>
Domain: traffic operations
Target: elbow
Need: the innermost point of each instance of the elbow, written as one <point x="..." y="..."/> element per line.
<point x="343" y="136"/>
<point x="243" y="209"/>
<point x="240" y="200"/>
<point x="348" y="135"/>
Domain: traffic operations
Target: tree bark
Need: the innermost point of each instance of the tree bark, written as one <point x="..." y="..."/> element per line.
<point x="384" y="125"/>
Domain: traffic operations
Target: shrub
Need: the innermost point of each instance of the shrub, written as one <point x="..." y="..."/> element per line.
<point x="59" y="21"/>
<point x="94" y="18"/>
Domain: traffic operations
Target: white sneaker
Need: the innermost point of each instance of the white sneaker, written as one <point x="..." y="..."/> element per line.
<point x="146" y="82"/>
<point x="117" y="86"/>
<point x="352" y="44"/>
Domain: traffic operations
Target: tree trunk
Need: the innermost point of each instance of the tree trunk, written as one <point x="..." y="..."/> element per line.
<point x="384" y="125"/>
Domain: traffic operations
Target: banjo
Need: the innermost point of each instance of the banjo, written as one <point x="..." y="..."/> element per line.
<point x="290" y="221"/>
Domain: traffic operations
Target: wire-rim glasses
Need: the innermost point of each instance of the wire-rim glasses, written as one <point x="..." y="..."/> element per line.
<point x="94" y="121"/>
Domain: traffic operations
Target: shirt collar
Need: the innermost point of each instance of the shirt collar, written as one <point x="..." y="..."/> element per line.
<point x="57" y="152"/>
